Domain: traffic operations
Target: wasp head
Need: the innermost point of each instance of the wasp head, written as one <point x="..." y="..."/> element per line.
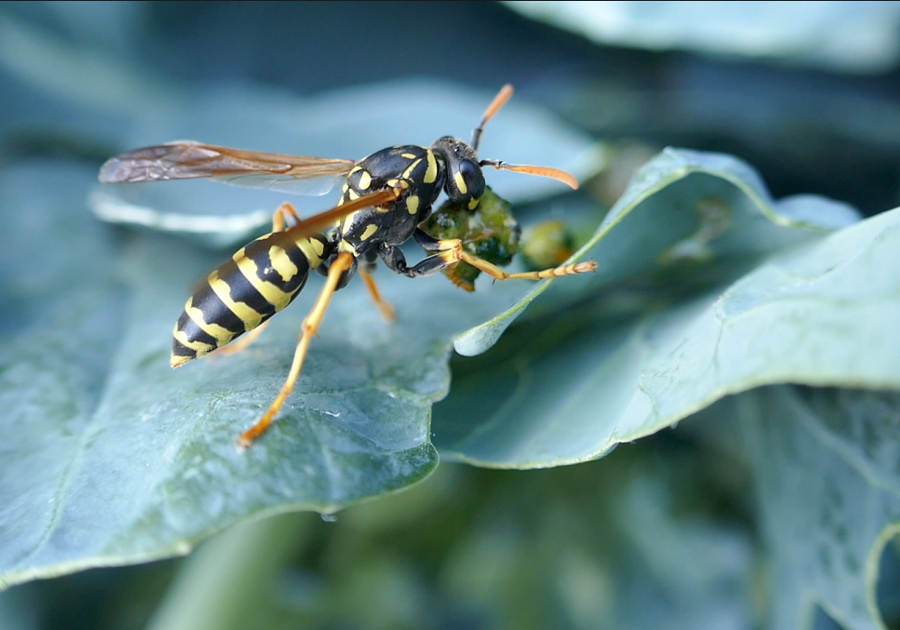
<point x="465" y="181"/>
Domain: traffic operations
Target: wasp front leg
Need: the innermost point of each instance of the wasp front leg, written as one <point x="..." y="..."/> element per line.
<point x="450" y="252"/>
<point x="395" y="260"/>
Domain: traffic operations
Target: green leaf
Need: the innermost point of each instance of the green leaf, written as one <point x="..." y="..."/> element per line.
<point x="825" y="35"/>
<point x="684" y="206"/>
<point x="114" y="458"/>
<point x="828" y="488"/>
<point x="569" y="388"/>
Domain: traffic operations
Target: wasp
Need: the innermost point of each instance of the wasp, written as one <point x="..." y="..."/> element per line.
<point x="385" y="197"/>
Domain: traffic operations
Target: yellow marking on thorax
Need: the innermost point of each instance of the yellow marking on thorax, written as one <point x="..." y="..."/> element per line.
<point x="473" y="203"/>
<point x="347" y="220"/>
<point x="409" y="169"/>
<point x="432" y="171"/>
<point x="460" y="182"/>
<point x="365" y="180"/>
<point x="345" y="246"/>
<point x="412" y="204"/>
<point x="408" y="156"/>
<point x="368" y="232"/>
<point x="352" y="195"/>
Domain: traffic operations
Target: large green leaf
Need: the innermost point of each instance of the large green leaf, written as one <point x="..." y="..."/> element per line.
<point x="828" y="484"/>
<point x="691" y="214"/>
<point x="114" y="458"/>
<point x="110" y="457"/>
<point x="633" y="361"/>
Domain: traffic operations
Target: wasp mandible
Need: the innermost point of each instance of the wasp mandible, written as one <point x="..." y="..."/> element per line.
<point x="385" y="197"/>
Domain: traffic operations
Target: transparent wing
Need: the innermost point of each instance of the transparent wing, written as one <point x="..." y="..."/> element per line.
<point x="293" y="174"/>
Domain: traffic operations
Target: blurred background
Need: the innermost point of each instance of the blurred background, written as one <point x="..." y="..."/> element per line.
<point x="660" y="533"/>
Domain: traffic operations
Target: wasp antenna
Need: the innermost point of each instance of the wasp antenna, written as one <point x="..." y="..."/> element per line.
<point x="543" y="171"/>
<point x="499" y="101"/>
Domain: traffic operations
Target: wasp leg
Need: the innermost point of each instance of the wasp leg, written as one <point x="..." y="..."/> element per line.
<point x="454" y="253"/>
<point x="384" y="307"/>
<point x="366" y="269"/>
<point x="338" y="268"/>
<point x="451" y="252"/>
<point x="395" y="260"/>
<point x="285" y="211"/>
<point x="242" y="343"/>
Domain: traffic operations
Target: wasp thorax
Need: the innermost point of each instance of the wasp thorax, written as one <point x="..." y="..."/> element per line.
<point x="465" y="181"/>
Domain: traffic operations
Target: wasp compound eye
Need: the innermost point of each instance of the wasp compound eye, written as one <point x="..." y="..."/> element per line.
<point x="472" y="178"/>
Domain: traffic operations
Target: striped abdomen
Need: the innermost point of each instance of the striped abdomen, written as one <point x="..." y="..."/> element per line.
<point x="259" y="280"/>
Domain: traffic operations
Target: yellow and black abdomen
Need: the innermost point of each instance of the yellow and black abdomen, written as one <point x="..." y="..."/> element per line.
<point x="259" y="280"/>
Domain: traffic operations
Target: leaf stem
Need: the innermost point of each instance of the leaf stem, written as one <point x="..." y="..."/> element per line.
<point x="227" y="578"/>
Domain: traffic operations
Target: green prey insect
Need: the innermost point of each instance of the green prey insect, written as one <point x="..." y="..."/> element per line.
<point x="491" y="233"/>
<point x="385" y="197"/>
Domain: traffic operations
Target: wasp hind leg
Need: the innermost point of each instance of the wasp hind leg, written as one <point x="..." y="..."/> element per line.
<point x="365" y="271"/>
<point x="336" y="271"/>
